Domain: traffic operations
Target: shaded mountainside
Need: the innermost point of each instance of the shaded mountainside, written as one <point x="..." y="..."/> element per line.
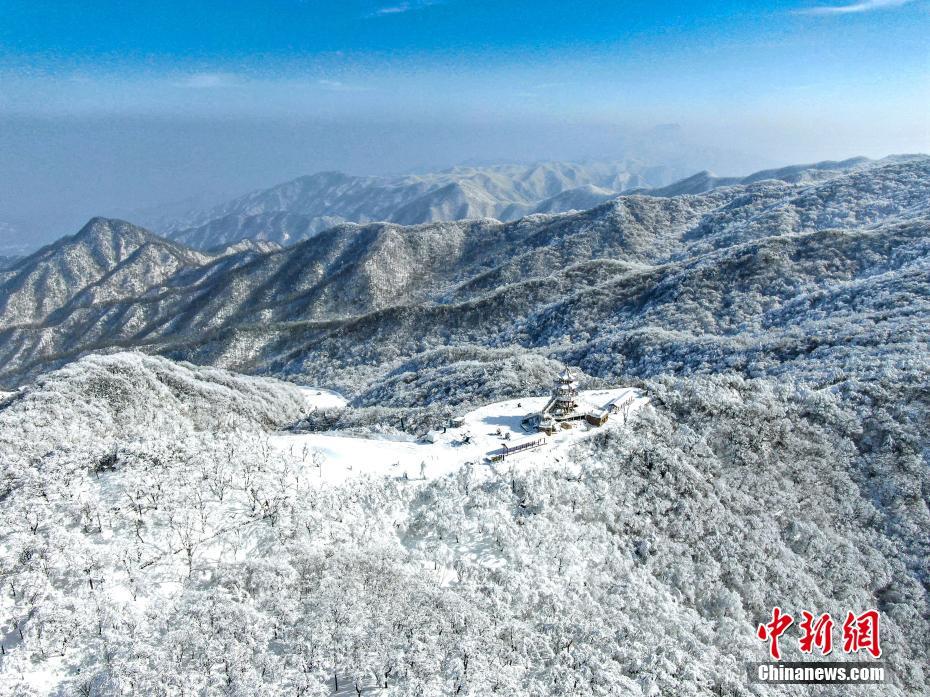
<point x="738" y="270"/>
<point x="8" y="261"/>
<point x="301" y="208"/>
<point x="107" y="261"/>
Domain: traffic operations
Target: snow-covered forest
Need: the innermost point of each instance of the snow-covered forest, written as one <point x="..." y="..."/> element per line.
<point x="156" y="538"/>
<point x="154" y="543"/>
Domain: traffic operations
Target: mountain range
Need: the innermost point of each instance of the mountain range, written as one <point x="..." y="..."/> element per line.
<point x="736" y="271"/>
<point x="301" y="208"/>
<point x="172" y="525"/>
<point x="795" y="174"/>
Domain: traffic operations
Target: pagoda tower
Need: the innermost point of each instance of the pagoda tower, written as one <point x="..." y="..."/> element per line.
<point x="564" y="395"/>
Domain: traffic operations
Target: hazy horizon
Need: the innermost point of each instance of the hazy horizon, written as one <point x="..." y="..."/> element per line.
<point x="106" y="110"/>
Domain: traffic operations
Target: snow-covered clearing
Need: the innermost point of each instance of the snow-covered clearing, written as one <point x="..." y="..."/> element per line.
<point x="320" y="398"/>
<point x="483" y="432"/>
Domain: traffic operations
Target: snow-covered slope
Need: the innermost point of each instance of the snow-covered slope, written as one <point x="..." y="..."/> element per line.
<point x="92" y="401"/>
<point x="477" y="437"/>
<point x="158" y="535"/>
<point x="578" y="199"/>
<point x="107" y="260"/>
<point x="195" y="551"/>
<point x="703" y="182"/>
<point x="299" y="209"/>
<point x="596" y="278"/>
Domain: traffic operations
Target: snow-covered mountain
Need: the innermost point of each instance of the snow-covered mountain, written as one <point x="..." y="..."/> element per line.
<point x="705" y="181"/>
<point x="495" y="282"/>
<point x="106" y="261"/>
<point x="150" y="506"/>
<point x="298" y="209"/>
<point x="160" y="533"/>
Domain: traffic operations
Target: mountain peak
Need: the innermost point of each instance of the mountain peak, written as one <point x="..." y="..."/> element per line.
<point x="100" y="223"/>
<point x="110" y="235"/>
<point x="110" y="255"/>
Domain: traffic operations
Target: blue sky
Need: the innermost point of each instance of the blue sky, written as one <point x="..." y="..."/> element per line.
<point x="420" y="83"/>
<point x="615" y="60"/>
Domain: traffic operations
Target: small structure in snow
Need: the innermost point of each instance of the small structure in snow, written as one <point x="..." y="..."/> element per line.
<point x="431" y="436"/>
<point x="543" y="422"/>
<point x="565" y="407"/>
<point x="564" y="401"/>
<point x="621" y="405"/>
<point x="506" y="450"/>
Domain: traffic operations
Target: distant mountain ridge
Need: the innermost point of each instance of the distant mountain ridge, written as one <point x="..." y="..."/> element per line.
<point x="301" y="208"/>
<point x="611" y="283"/>
<point x="795" y="174"/>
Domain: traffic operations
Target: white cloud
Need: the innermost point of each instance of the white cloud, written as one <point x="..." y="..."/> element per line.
<point x="339" y="86"/>
<point x="394" y="9"/>
<point x="207" y="80"/>
<point x="863" y="6"/>
<point x="404" y="6"/>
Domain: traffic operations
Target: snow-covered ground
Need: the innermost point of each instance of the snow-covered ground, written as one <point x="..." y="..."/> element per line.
<point x="483" y="433"/>
<point x="319" y="398"/>
<point x="178" y="544"/>
<point x="206" y="524"/>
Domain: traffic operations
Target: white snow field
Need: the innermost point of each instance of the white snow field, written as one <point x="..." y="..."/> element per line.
<point x="194" y="532"/>
<point x="483" y="432"/>
<point x="321" y="398"/>
<point x="161" y="535"/>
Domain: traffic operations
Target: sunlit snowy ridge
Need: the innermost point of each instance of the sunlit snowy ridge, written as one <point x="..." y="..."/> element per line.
<point x="217" y="529"/>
